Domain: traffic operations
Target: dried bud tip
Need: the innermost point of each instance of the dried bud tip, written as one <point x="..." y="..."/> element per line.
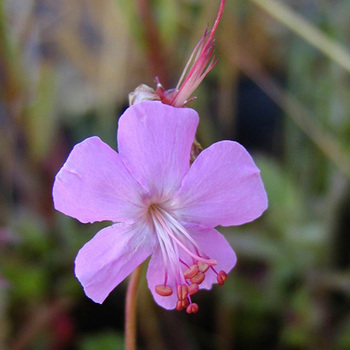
<point x="200" y="63"/>
<point x="142" y="93"/>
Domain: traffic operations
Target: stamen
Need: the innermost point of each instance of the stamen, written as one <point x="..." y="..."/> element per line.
<point x="193" y="288"/>
<point x="182" y="291"/>
<point x="185" y="275"/>
<point x="191" y="271"/>
<point x="203" y="267"/>
<point x="182" y="262"/>
<point x="171" y="234"/>
<point x="179" y="228"/>
<point x="181" y="304"/>
<point x="221" y="277"/>
<point x="168" y="248"/>
<point x="164" y="291"/>
<point x="198" y="278"/>
<point x="192" y="308"/>
<point x="165" y="260"/>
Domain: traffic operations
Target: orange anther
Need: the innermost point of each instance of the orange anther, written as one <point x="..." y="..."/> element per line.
<point x="193" y="288"/>
<point x="221" y="277"/>
<point x="185" y="303"/>
<point x="182" y="291"/>
<point x="192" y="308"/>
<point x="181" y="304"/>
<point x="203" y="267"/>
<point x="191" y="271"/>
<point x="164" y="291"/>
<point x="198" y="278"/>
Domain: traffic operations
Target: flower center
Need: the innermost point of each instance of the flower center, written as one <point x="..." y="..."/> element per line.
<point x="185" y="263"/>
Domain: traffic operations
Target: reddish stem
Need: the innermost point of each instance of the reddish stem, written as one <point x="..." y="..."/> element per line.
<point x="130" y="309"/>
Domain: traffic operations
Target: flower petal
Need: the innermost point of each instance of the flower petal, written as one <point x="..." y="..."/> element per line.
<point x="155" y="276"/>
<point x="110" y="256"/>
<point x="212" y="243"/>
<point x="215" y="246"/>
<point x="94" y="185"/>
<point x="222" y="187"/>
<point x="154" y="141"/>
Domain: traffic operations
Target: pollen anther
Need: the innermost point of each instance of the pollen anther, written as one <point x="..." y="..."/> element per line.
<point x="182" y="291"/>
<point x="221" y="277"/>
<point x="181" y="304"/>
<point x="164" y="291"/>
<point x="191" y="271"/>
<point x="193" y="288"/>
<point x="192" y="308"/>
<point x="198" y="278"/>
<point x="203" y="267"/>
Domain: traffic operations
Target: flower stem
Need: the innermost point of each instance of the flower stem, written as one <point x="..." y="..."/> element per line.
<point x="130" y="309"/>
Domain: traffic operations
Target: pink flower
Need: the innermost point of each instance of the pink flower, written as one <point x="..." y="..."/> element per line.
<point x="160" y="205"/>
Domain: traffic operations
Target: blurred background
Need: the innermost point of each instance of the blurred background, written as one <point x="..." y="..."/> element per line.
<point x="281" y="88"/>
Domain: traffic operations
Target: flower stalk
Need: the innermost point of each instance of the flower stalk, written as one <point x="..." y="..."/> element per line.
<point x="130" y="309"/>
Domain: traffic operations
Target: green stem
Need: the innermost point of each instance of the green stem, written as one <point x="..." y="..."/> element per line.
<point x="130" y="309"/>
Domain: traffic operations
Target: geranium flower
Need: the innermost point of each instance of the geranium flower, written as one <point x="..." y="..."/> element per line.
<point x="160" y="205"/>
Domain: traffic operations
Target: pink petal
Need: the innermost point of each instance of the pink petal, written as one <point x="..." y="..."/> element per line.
<point x="212" y="243"/>
<point x="154" y="141"/>
<point x="155" y="276"/>
<point x="94" y="185"/>
<point x="222" y="187"/>
<point x="216" y="247"/>
<point x="110" y="256"/>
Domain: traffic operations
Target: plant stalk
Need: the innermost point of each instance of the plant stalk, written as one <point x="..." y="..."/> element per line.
<point x="130" y="309"/>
